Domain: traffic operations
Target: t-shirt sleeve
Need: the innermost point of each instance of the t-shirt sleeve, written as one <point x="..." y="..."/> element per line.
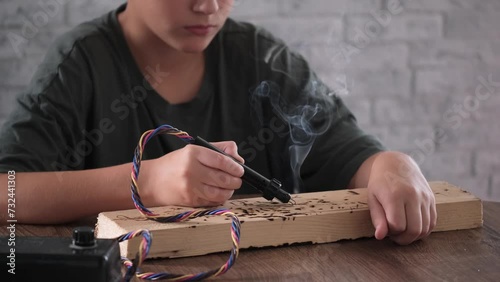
<point x="48" y="116"/>
<point x="321" y="127"/>
<point x="337" y="153"/>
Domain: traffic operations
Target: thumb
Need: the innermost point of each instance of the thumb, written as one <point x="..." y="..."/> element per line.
<point x="377" y="214"/>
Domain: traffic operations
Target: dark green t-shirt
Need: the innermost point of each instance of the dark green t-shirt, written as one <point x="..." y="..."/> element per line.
<point x="89" y="103"/>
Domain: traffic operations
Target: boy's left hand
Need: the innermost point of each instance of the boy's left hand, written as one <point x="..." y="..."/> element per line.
<point x="402" y="205"/>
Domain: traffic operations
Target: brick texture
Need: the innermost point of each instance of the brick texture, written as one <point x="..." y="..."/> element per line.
<point x="375" y="58"/>
<point x="84" y="10"/>
<point x="328" y="7"/>
<point x="473" y="24"/>
<point x="452" y="53"/>
<point x="303" y="31"/>
<point x="449" y="5"/>
<point x="410" y="70"/>
<point x="243" y="9"/>
<point x="32" y="13"/>
<point x="404" y="26"/>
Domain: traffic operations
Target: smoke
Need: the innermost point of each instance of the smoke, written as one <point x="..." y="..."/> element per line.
<point x="307" y="113"/>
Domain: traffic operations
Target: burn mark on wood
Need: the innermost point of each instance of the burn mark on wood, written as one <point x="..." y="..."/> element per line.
<point x="124" y="217"/>
<point x="238" y="202"/>
<point x="294" y="213"/>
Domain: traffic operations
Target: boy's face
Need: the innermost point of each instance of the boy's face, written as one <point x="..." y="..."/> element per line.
<point x="185" y="25"/>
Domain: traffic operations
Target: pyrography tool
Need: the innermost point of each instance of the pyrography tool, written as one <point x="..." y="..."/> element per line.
<point x="270" y="188"/>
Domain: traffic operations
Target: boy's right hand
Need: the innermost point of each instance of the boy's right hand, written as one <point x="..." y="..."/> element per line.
<point x="192" y="176"/>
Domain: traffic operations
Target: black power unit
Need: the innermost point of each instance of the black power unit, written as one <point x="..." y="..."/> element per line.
<point x="81" y="258"/>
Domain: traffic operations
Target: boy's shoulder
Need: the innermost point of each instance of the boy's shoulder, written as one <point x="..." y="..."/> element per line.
<point x="90" y="32"/>
<point x="77" y="50"/>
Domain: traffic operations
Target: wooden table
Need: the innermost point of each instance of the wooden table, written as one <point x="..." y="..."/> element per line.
<point x="467" y="255"/>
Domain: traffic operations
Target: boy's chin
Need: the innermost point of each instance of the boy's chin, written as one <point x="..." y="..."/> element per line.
<point x="193" y="47"/>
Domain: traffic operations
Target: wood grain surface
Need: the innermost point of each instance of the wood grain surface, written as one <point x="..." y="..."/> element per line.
<point x="314" y="217"/>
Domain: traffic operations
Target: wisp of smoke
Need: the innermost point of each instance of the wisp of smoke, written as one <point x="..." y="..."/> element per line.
<point x="308" y="114"/>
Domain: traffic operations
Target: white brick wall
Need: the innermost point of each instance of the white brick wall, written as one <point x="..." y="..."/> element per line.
<point x="18" y="72"/>
<point x="83" y="10"/>
<point x="38" y="13"/>
<point x="405" y="64"/>
<point x="328" y="7"/>
<point x="303" y="31"/>
<point x="473" y="24"/>
<point x="405" y="26"/>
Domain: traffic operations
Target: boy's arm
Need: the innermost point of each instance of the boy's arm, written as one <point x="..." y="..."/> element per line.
<point x="191" y="176"/>
<point x="402" y="205"/>
<point x="58" y="197"/>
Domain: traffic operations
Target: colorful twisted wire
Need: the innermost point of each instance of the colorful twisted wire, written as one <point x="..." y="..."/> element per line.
<point x="136" y="163"/>
<point x="133" y="266"/>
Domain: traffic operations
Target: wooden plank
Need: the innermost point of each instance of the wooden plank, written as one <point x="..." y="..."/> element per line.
<point x="316" y="218"/>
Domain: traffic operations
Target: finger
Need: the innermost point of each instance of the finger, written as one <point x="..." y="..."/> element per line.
<point x="426" y="221"/>
<point x="433" y="215"/>
<point x="378" y="217"/>
<point x="413" y="225"/>
<point x="230" y="148"/>
<point x="214" y="194"/>
<point x="395" y="215"/>
<point x="218" y="161"/>
<point x="218" y="178"/>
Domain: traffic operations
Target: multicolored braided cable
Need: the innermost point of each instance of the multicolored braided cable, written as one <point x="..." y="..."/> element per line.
<point x="136" y="162"/>
<point x="133" y="266"/>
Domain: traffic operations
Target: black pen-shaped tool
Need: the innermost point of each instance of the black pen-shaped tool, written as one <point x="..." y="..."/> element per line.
<point x="270" y="188"/>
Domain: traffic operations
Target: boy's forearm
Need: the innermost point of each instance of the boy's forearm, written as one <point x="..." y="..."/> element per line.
<point x="361" y="177"/>
<point x="58" y="197"/>
<point x="380" y="164"/>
